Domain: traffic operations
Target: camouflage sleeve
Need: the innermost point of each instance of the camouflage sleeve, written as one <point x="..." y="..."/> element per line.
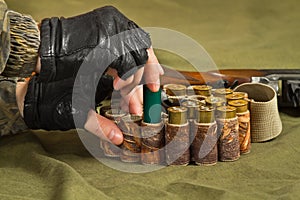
<point x="19" y="43"/>
<point x="4" y="36"/>
<point x="11" y="121"/>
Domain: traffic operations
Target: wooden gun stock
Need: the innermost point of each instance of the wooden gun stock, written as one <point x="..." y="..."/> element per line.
<point x="198" y="78"/>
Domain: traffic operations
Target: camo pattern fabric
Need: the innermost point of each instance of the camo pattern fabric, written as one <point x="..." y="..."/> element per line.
<point x="4" y="35"/>
<point x="24" y="42"/>
<point x="19" y="43"/>
<point x="11" y="121"/>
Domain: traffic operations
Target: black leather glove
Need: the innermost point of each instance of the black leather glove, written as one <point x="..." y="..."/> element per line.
<point x="104" y="34"/>
<point x="63" y="104"/>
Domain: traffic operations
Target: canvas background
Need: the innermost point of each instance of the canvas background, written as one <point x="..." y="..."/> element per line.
<point x="257" y="34"/>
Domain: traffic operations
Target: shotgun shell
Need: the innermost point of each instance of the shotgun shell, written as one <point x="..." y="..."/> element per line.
<point x="226" y="112"/>
<point x="190" y="90"/>
<point x="175" y="100"/>
<point x="215" y="101"/>
<point x="177" y="137"/>
<point x="200" y="98"/>
<point x="114" y="114"/>
<point x="204" y="90"/>
<point x="153" y="140"/>
<point x="228" y="127"/>
<point x="175" y="89"/>
<point x="204" y="137"/>
<point x="240" y="105"/>
<point x="103" y="110"/>
<point x="244" y="124"/>
<point x="236" y="96"/>
<point x="131" y="146"/>
<point x="191" y="106"/>
<point x="152" y="106"/>
<point x="177" y="115"/>
<point x="222" y="92"/>
<point x="110" y="149"/>
<point x="129" y="126"/>
<point x="205" y="114"/>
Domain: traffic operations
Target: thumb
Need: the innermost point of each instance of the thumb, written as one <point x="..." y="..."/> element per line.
<point x="103" y="128"/>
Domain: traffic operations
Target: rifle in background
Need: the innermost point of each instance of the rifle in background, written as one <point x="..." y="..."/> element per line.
<point x="286" y="82"/>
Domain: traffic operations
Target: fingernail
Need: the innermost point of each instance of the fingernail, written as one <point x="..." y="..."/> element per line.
<point x="111" y="135"/>
<point x="153" y="87"/>
<point x="115" y="137"/>
<point x="156" y="87"/>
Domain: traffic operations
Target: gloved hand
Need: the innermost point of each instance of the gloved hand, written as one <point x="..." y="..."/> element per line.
<point x="75" y="53"/>
<point x="104" y="35"/>
<point x="63" y="104"/>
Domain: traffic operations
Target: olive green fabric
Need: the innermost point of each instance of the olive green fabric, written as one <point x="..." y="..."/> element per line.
<point x="237" y="34"/>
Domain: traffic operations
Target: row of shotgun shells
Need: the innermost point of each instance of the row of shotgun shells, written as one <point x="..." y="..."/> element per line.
<point x="217" y="117"/>
<point x="203" y="100"/>
<point x="129" y="124"/>
<point x="200" y="127"/>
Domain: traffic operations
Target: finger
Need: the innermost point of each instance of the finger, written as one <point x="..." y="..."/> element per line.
<point x="152" y="59"/>
<point x="152" y="76"/>
<point x="133" y="102"/>
<point x="103" y="128"/>
<point x="136" y="101"/>
<point x="152" y="71"/>
<point x="124" y="105"/>
<point x="136" y="81"/>
<point x="112" y="72"/>
<point x="120" y="83"/>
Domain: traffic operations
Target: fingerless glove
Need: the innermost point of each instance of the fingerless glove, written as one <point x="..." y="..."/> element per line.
<point x="63" y="104"/>
<point x="104" y="34"/>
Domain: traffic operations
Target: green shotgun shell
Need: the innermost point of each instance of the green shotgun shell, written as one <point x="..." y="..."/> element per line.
<point x="226" y="112"/>
<point x="191" y="105"/>
<point x="205" y="114"/>
<point x="177" y="115"/>
<point x="151" y="106"/>
<point x="240" y="105"/>
<point x="204" y="90"/>
<point x="215" y="101"/>
<point x="175" y="89"/>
